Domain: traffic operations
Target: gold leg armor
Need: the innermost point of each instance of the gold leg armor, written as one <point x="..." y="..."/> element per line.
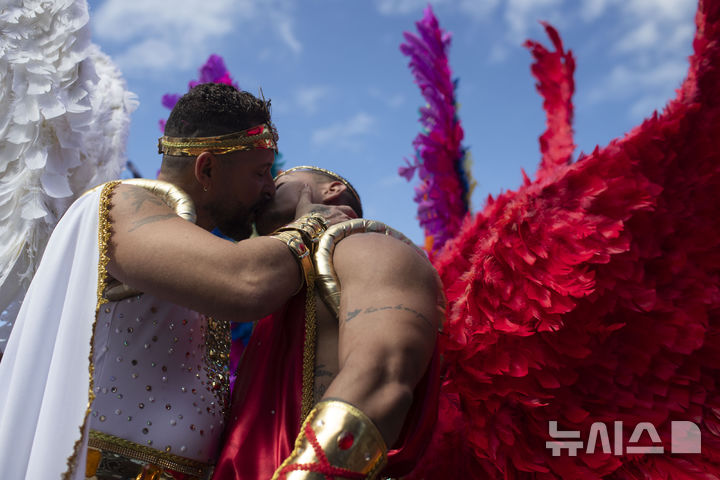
<point x="336" y="441"/>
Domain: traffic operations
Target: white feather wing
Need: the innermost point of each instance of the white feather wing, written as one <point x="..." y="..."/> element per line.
<point x="64" y="117"/>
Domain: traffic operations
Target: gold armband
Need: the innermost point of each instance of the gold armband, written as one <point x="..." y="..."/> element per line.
<point x="301" y="237"/>
<point x="310" y="226"/>
<point x="296" y="243"/>
<point x="337" y="440"/>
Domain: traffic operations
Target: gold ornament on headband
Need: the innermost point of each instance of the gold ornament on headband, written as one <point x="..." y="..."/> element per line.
<point x="308" y="168"/>
<point x="261" y="136"/>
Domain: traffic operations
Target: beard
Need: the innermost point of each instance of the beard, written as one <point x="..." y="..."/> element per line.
<point x="238" y="222"/>
<point x="238" y="229"/>
<point x="270" y="219"/>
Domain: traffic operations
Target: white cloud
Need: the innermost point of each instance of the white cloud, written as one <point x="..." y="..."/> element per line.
<point x="344" y="134"/>
<point x="150" y="53"/>
<point x="391" y="100"/>
<point x="624" y="81"/>
<point x="649" y="41"/>
<point x="285" y="28"/>
<point x="475" y="8"/>
<point x="592" y="9"/>
<point x="166" y="35"/>
<point x="478" y="8"/>
<point x="681" y="37"/>
<point x="661" y="25"/>
<point x="521" y="14"/>
<point x="661" y="9"/>
<point x="402" y="7"/>
<point x="644" y="36"/>
<point x="645" y="105"/>
<point x="308" y="98"/>
<point x="123" y="20"/>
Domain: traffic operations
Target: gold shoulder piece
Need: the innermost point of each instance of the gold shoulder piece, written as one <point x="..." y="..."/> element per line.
<point x="168" y="193"/>
<point x="174" y="198"/>
<point x="326" y="279"/>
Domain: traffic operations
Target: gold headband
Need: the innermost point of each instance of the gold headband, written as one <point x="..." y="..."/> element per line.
<point x="308" y="168"/>
<point x="261" y="136"/>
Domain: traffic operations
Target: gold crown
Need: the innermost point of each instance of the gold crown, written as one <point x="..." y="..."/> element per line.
<point x="260" y="136"/>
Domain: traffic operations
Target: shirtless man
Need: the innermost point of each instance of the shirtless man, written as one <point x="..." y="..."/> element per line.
<point x="373" y="373"/>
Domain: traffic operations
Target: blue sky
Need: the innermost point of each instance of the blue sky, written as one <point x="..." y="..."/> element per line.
<point x="343" y="97"/>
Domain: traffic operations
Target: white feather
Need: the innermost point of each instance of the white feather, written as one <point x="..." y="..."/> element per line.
<point x="64" y="118"/>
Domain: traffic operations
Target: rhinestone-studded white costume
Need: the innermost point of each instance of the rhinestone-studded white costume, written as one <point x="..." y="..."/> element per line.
<point x="48" y="403"/>
<point x="156" y="382"/>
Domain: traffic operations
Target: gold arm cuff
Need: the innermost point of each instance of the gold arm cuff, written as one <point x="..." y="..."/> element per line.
<point x="327" y="279"/>
<point x="173" y="196"/>
<point x="296" y="244"/>
<point x="311" y="226"/>
<point x="348" y="439"/>
<point x="168" y="193"/>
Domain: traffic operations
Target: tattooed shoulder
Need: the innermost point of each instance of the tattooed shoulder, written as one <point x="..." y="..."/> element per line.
<point x="151" y="219"/>
<point x="138" y="196"/>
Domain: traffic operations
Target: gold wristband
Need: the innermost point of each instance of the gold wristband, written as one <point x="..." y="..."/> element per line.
<point x="296" y="245"/>
<point x="335" y="438"/>
<point x="310" y="226"/>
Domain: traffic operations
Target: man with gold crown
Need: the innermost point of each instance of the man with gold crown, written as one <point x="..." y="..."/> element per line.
<point x="342" y="383"/>
<point x="117" y="364"/>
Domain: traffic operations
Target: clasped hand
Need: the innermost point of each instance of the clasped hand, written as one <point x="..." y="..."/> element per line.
<point x="333" y="214"/>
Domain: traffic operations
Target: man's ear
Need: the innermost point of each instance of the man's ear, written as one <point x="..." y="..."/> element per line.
<point x="205" y="166"/>
<point x="331" y="191"/>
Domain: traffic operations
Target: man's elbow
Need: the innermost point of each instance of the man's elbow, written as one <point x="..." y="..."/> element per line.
<point x="244" y="300"/>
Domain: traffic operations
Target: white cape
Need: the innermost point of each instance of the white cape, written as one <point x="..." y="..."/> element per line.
<point x="45" y="372"/>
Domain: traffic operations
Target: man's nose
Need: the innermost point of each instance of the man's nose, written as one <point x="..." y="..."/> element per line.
<point x="269" y="189"/>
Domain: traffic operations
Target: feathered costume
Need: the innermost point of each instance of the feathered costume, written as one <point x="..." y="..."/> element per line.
<point x="442" y="163"/>
<point x="590" y="294"/>
<point x="64" y="117"/>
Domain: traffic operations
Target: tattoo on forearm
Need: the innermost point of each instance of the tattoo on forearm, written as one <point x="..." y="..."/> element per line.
<point x="151" y="219"/>
<point x="354" y="313"/>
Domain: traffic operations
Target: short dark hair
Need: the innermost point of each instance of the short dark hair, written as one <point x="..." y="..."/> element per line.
<point x="211" y="109"/>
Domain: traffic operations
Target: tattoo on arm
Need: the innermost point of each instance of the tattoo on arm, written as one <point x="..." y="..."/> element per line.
<point x="321" y="209"/>
<point x="151" y="219"/>
<point x="323" y="378"/>
<point x="322" y="371"/>
<point x="354" y="313"/>
<point x="139" y="196"/>
<point x="318" y="391"/>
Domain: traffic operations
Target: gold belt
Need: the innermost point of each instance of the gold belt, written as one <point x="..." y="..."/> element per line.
<point x="110" y="456"/>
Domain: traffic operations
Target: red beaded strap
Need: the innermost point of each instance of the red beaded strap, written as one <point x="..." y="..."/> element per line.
<point x="323" y="466"/>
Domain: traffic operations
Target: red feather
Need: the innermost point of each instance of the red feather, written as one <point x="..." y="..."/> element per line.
<point x="591" y="294"/>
